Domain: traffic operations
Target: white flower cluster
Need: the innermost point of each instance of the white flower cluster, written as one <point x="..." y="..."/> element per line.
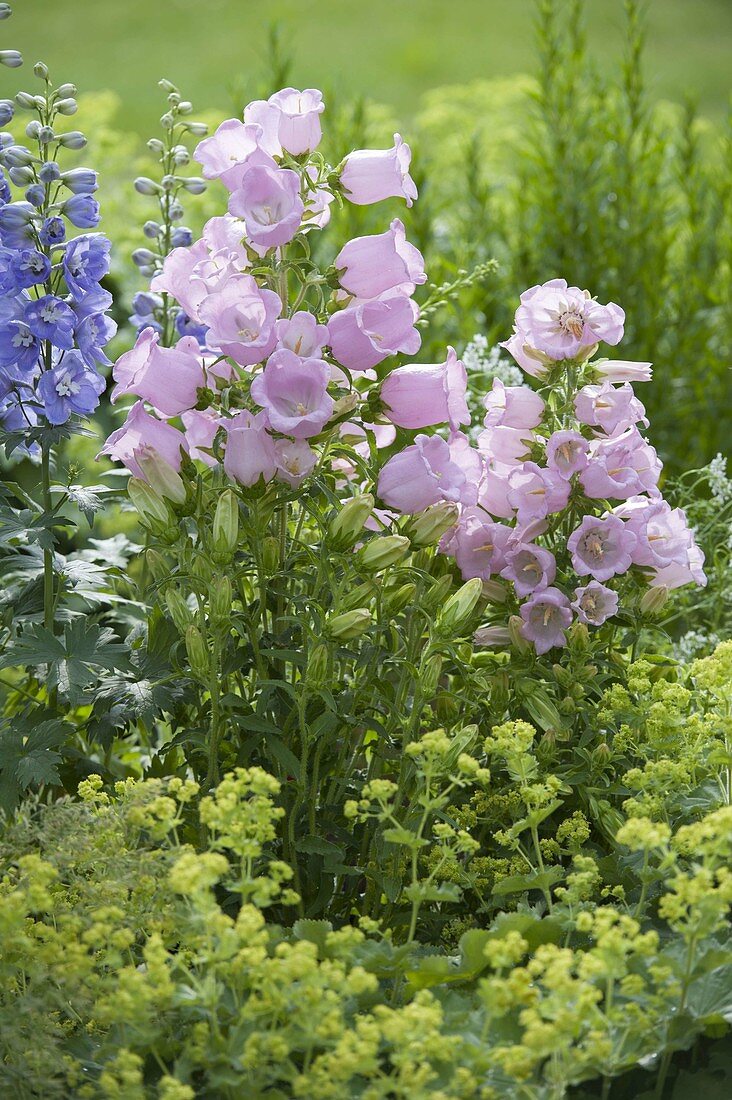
<point x="695" y="643"/>
<point x="479" y="357"/>
<point x="719" y="483"/>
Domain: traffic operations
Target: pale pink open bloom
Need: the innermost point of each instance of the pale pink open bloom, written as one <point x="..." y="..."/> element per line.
<point x="530" y="360"/>
<point x="529" y="567"/>
<point x="240" y="318"/>
<point x="665" y="542"/>
<point x="298" y="128"/>
<point x="191" y="274"/>
<point x="546" y="615"/>
<point x="169" y="378"/>
<point x="369" y="266"/>
<point x="422" y="396"/>
<point x="295" y="460"/>
<point x="601" y="548"/>
<point x="613" y="409"/>
<point x="420" y="475"/>
<point x="268" y="199"/>
<point x="512" y="406"/>
<point x="594" y="603"/>
<point x="470" y="461"/>
<point x="363" y="335"/>
<point x="564" y="322"/>
<point x="370" y="175"/>
<point x="200" y="430"/>
<point x="231" y="151"/>
<point x="535" y="492"/>
<point x="249" y="454"/>
<point x="621" y="467"/>
<point x="479" y="545"/>
<point x="295" y="394"/>
<point x="493" y="490"/>
<point x="504" y="445"/>
<point x="302" y="334"/>
<point x="141" y="435"/>
<point x="566" y="452"/>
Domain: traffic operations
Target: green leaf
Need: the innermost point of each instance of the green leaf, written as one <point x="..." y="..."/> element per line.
<point x="517" y="884"/>
<point x="317" y="845"/>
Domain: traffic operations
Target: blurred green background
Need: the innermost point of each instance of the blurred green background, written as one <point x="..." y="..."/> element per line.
<point x="391" y="50"/>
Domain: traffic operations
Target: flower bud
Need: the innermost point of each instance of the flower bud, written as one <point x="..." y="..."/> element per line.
<point x="198" y="129"/>
<point x="446" y="707"/>
<point x="64" y="90"/>
<point x="32" y="130"/>
<point x="653" y="601"/>
<point x="194" y="185"/>
<point x="7" y="110"/>
<point x="156" y="563"/>
<point x="167" y="85"/>
<point x="270" y="554"/>
<point x="492" y="636"/>
<point x="457" y="612"/>
<point x="145" y="186"/>
<point x="147" y="502"/>
<point x="359" y="596"/>
<point x="349" y="625"/>
<point x="579" y="636"/>
<point x="428" y="527"/>
<point x="74" y="139"/>
<point x="178" y="609"/>
<point x="515" y="632"/>
<point x="543" y="711"/>
<point x="161" y="477"/>
<point x="437" y="593"/>
<point x="316" y="674"/>
<point x="429" y="675"/>
<point x="197" y="652"/>
<point x="11" y="58"/>
<point x="396" y="599"/>
<point x="381" y="552"/>
<point x="21" y="177"/>
<point x="46" y="135"/>
<point x="5" y="11"/>
<point x="26" y="101"/>
<point x="17" y="156"/>
<point x="220" y="600"/>
<point x="226" y="526"/>
<point x="495" y="591"/>
<point x="67" y="106"/>
<point x="347" y="526"/>
<point x="40" y="69"/>
<point x="143" y="257"/>
<point x="155" y="145"/>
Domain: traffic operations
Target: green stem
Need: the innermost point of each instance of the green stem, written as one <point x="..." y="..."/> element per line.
<point x="212" y="771"/>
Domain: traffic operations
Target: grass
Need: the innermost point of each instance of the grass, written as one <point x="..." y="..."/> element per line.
<point x="390" y="50"/>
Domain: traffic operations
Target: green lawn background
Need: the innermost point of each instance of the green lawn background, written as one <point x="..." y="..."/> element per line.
<point x="390" y="50"/>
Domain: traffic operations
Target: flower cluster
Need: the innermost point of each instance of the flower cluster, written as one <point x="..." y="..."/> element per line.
<point x="271" y="344"/>
<point x="53" y="317"/>
<point x="560" y="495"/>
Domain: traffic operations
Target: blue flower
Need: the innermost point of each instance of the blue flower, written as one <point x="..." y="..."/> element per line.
<point x="8" y="284"/>
<point x="81" y="181"/>
<point x="18" y="346"/>
<point x="16" y="224"/>
<point x="5" y="192"/>
<point x="17" y="416"/>
<point x="86" y="262"/>
<point x="36" y="194"/>
<point x="30" y="267"/>
<point x="181" y="237"/>
<point x="82" y="211"/>
<point x="68" y="388"/>
<point x="92" y="334"/>
<point x="50" y="318"/>
<point x="186" y="327"/>
<point x="52" y="232"/>
<point x="7" y="110"/>
<point x="49" y="172"/>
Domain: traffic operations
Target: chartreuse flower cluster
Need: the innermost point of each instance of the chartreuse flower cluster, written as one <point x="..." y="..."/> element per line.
<point x="133" y="966"/>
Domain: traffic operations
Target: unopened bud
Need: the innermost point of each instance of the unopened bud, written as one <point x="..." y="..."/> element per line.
<point x="145" y="186"/>
<point x="74" y="139"/>
<point x="360" y="596"/>
<point x="198" y="129"/>
<point x="578" y="636"/>
<point x="429" y="675"/>
<point x="161" y="476"/>
<point x="147" y="502"/>
<point x="653" y="601"/>
<point x="226" y="526"/>
<point x="350" y="624"/>
<point x="67" y="106"/>
<point x="437" y="593"/>
<point x="40" y="69"/>
<point x="197" y="652"/>
<point x="220" y="600"/>
<point x="347" y="527"/>
<point x="515" y="632"/>
<point x="270" y="554"/>
<point x="65" y="90"/>
<point x="428" y="527"/>
<point x="381" y="552"/>
<point x="498" y="637"/>
<point x="458" y="610"/>
<point x="396" y="599"/>
<point x="11" y="58"/>
<point x="156" y="563"/>
<point x="178" y="609"/>
<point x="316" y="674"/>
<point x="26" y="101"/>
<point x="194" y="185"/>
<point x="495" y="591"/>
<point x="446" y="707"/>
